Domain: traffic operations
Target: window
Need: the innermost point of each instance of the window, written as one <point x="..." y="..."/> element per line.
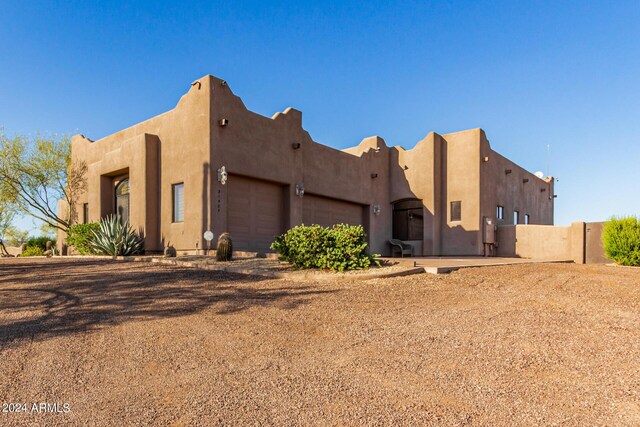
<point x="516" y="217"/>
<point x="85" y="210"/>
<point x="178" y="202"/>
<point x="408" y="220"/>
<point x="526" y="218"/>
<point x="456" y="211"/>
<point x="500" y="212"/>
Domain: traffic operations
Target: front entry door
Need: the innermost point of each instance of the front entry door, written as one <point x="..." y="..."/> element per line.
<point x="122" y="200"/>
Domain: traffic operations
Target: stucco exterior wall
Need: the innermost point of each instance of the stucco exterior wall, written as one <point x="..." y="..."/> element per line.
<point x="549" y="242"/>
<point x="506" y="184"/>
<point x="167" y="149"/>
<point x="190" y="143"/>
<point x="535" y="241"/>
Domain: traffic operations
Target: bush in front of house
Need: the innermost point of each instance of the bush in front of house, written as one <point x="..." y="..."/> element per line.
<point x="40" y="242"/>
<point x="621" y="240"/>
<point x="32" y="251"/>
<point x="80" y="237"/>
<point x="115" y="238"/>
<point x="338" y="248"/>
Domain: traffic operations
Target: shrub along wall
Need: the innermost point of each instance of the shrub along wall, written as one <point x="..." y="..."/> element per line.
<point x="80" y="235"/>
<point x="339" y="248"/>
<point x="621" y="239"/>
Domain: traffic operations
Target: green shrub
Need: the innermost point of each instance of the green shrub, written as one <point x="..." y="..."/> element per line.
<point x="339" y="248"/>
<point x="80" y="236"/>
<point x="33" y="251"/>
<point x="621" y="240"/>
<point x="40" y="242"/>
<point x="115" y="239"/>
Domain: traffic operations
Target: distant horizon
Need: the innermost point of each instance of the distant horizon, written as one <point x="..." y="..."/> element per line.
<point x="528" y="75"/>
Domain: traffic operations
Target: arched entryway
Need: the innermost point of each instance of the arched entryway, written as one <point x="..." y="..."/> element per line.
<point x="122" y="200"/>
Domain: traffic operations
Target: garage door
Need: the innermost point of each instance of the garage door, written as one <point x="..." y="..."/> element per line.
<point x="255" y="213"/>
<point x="327" y="212"/>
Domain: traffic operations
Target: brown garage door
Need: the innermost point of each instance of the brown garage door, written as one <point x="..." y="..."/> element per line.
<point x="255" y="213"/>
<point x="327" y="212"/>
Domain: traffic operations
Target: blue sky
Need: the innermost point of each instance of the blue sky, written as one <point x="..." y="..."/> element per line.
<point x="531" y="74"/>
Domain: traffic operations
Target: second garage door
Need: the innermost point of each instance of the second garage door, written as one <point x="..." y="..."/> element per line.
<point x="255" y="213"/>
<point x="327" y="212"/>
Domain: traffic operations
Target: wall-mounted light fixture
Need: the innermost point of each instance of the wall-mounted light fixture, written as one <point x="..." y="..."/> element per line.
<point x="377" y="149"/>
<point x="374" y="175"/>
<point x="507" y="171"/>
<point x="223" y="122"/>
<point x="223" y="83"/>
<point x="295" y="145"/>
<point x="376" y="209"/>
<point x="485" y="159"/>
<point x="525" y="180"/>
<point x="222" y="175"/>
<point x="300" y="190"/>
<point x="197" y="82"/>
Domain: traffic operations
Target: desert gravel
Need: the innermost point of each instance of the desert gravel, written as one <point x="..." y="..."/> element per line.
<point x="145" y="344"/>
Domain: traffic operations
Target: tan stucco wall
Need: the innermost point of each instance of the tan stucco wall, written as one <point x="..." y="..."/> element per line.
<point x="545" y="242"/>
<point x="533" y="197"/>
<point x="535" y="241"/>
<point x="14" y="250"/>
<point x="187" y="144"/>
<point x="170" y="148"/>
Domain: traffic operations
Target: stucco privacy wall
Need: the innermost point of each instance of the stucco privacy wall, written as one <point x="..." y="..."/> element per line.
<point x="579" y="242"/>
<point x="211" y="128"/>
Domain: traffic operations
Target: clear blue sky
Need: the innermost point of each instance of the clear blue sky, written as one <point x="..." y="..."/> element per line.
<point x="529" y="73"/>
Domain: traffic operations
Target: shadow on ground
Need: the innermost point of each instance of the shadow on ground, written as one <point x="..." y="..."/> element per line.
<point x="46" y="298"/>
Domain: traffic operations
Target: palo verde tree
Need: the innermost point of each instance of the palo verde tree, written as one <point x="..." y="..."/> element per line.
<point x="37" y="172"/>
<point x="7" y="213"/>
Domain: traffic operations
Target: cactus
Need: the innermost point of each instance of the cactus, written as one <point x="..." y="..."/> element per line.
<point x="115" y="238"/>
<point x="224" y="250"/>
<point x="170" y="251"/>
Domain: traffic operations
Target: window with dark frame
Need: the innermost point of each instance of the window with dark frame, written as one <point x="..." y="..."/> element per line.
<point x="178" y="202"/>
<point x="456" y="211"/>
<point x="85" y="213"/>
<point x="516" y="217"/>
<point x="526" y="218"/>
<point x="500" y="212"/>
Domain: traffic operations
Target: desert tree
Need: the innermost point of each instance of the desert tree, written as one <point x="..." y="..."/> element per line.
<point x="37" y="172"/>
<point x="7" y="214"/>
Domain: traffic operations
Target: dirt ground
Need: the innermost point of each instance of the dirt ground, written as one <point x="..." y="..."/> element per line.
<point x="143" y="344"/>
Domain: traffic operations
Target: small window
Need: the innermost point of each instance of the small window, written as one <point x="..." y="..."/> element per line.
<point x="500" y="212"/>
<point x="85" y="211"/>
<point x="526" y="218"/>
<point x="178" y="202"/>
<point x="516" y="217"/>
<point x="456" y="211"/>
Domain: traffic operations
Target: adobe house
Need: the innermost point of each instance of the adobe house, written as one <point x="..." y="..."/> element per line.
<point x="211" y="164"/>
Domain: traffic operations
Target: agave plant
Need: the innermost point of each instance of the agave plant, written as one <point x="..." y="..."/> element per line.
<point x="116" y="238"/>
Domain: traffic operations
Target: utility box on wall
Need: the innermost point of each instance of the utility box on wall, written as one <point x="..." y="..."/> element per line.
<point x="489" y="231"/>
<point x="489" y="236"/>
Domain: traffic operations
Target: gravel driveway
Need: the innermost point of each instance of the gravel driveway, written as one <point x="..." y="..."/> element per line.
<point x="142" y="344"/>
